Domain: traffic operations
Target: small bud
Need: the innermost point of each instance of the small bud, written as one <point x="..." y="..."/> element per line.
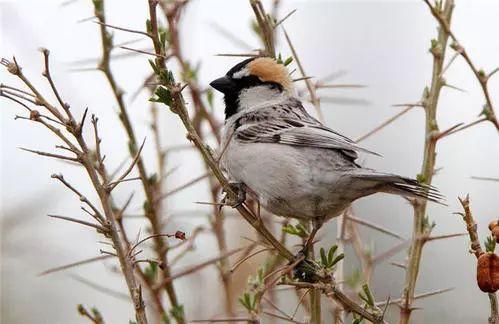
<point x="81" y="309"/>
<point x="34" y="115"/>
<point x="12" y="67"/>
<point x="180" y="235"/>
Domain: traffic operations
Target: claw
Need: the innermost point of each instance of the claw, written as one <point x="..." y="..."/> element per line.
<point x="240" y="198"/>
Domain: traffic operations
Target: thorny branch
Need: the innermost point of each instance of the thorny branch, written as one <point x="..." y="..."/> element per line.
<point x="481" y="76"/>
<point x="151" y="189"/>
<point x="77" y="144"/>
<point x="421" y="225"/>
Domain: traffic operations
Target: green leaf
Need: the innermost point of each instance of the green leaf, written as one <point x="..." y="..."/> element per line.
<point x="301" y="228"/>
<point x="338" y="259"/>
<point x="288" y="61"/>
<point x="421" y="178"/>
<point x="369" y="295"/>
<point x="154" y="67"/>
<point x="163" y="95"/>
<point x="98" y="5"/>
<point x="151" y="270"/>
<point x="331" y="253"/>
<point x="434" y="43"/>
<point x="279" y="59"/>
<point x="490" y="244"/>
<point x="165" y="319"/>
<point x="323" y="257"/>
<point x="177" y="312"/>
<point x="162" y="37"/>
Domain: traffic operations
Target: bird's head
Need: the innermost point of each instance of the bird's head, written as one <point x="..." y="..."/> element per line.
<point x="251" y="82"/>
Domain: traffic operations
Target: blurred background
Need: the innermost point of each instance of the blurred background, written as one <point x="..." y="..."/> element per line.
<point x="380" y="44"/>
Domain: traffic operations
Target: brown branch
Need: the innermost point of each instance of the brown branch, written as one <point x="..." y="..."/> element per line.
<point x="482" y="78"/>
<point x="200" y="266"/>
<point x="471" y="226"/>
<point x="82" y="151"/>
<point x="266" y="27"/>
<point x="152" y="210"/>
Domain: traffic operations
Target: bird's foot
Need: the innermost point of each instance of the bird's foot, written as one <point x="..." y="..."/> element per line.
<point x="240" y="189"/>
<point x="306" y="270"/>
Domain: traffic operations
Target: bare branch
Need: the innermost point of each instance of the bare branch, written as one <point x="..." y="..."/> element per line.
<point x="113" y="184"/>
<point x="56" y="156"/>
<point x="100" y="229"/>
<point x="74" y="264"/>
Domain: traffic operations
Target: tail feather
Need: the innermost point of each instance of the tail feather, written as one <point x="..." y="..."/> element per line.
<point x="394" y="184"/>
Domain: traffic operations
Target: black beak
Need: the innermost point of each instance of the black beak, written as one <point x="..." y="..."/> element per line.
<point x="223" y="84"/>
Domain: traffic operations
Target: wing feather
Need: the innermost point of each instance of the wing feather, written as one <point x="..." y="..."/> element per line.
<point x="297" y="128"/>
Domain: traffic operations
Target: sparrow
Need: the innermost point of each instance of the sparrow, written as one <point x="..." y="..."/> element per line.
<point x="287" y="160"/>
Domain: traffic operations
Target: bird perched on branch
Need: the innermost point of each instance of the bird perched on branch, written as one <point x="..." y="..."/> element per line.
<point x="287" y="160"/>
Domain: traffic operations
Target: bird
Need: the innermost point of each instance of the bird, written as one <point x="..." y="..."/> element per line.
<point x="287" y="160"/>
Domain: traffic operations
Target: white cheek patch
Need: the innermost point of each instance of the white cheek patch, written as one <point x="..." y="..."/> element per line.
<point x="242" y="73"/>
<point x="259" y="95"/>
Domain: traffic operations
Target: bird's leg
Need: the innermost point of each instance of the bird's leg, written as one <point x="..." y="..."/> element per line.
<point x="307" y="270"/>
<point x="316" y="226"/>
<point x="240" y="189"/>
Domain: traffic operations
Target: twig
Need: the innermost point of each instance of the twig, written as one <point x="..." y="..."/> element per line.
<point x="113" y="184"/>
<point x="418" y="296"/>
<point x="480" y="76"/>
<point x="74" y="264"/>
<point x="311" y="89"/>
<point x="99" y="228"/>
<point x="375" y="227"/>
<point x="384" y="124"/>
<point x="201" y="265"/>
<point x="52" y="155"/>
<point x="152" y="212"/>
<point x="184" y="186"/>
<point x="485" y="178"/>
<point x="143" y="52"/>
<point x="121" y="28"/>
<point x="265" y="25"/>
<point x="284" y="18"/>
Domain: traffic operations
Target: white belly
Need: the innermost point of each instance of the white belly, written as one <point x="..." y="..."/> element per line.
<point x="289" y="181"/>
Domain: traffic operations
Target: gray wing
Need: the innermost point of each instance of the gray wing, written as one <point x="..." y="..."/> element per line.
<point x="296" y="128"/>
